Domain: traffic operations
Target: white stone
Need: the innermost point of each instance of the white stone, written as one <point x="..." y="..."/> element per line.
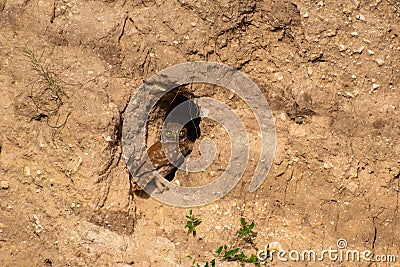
<point x="4" y="185"/>
<point x="359" y="50"/>
<point x="375" y="86"/>
<point x="380" y="62"/>
<point x="360" y="17"/>
<point x="27" y="171"/>
<point x="331" y="33"/>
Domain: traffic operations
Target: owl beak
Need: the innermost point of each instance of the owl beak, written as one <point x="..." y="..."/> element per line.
<point x="176" y="136"/>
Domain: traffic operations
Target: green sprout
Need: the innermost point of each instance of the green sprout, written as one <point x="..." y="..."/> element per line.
<point x="192" y="223"/>
<point x="246" y="229"/>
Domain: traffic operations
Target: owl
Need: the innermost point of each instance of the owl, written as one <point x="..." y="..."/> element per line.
<point x="160" y="152"/>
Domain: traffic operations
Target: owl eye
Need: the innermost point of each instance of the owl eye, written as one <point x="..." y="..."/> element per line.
<point x="169" y="132"/>
<point x="181" y="132"/>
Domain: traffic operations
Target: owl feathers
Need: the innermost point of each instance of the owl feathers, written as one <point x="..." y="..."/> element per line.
<point x="160" y="153"/>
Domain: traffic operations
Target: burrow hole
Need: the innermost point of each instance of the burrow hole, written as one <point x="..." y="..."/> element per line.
<point x="161" y="110"/>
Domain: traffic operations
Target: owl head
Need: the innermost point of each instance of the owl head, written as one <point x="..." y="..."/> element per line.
<point x="173" y="132"/>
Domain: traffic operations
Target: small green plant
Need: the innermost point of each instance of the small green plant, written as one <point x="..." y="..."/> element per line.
<point x="48" y="96"/>
<point x="237" y="255"/>
<point x="207" y="264"/>
<point x="192" y="223"/>
<point x="48" y="77"/>
<point x="224" y="253"/>
<point x="246" y="229"/>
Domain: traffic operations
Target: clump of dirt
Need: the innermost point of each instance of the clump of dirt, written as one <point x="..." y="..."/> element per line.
<point x="329" y="71"/>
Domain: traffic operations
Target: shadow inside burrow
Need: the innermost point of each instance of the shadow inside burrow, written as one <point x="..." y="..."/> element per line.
<point x="187" y="113"/>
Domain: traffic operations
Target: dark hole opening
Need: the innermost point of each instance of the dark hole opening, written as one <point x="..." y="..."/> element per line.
<point x="188" y="111"/>
<point x="185" y="112"/>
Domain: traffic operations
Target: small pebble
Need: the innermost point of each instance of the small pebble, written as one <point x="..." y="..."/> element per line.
<point x="275" y="246"/>
<point x="375" y="86"/>
<point x="346" y="11"/>
<point x="359" y="50"/>
<point x="4" y="185"/>
<point x="309" y="71"/>
<point x="354" y="34"/>
<point x="279" y="76"/>
<point x="331" y="33"/>
<point x="380" y="62"/>
<point x="27" y="171"/>
<point x="360" y="17"/>
<point x="328" y="165"/>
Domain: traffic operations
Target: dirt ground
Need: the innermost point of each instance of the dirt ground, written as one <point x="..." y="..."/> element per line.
<point x="329" y="70"/>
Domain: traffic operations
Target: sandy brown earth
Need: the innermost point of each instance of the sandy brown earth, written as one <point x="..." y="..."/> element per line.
<point x="329" y="70"/>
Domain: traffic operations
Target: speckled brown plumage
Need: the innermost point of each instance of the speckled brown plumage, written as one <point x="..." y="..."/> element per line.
<point x="170" y="134"/>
